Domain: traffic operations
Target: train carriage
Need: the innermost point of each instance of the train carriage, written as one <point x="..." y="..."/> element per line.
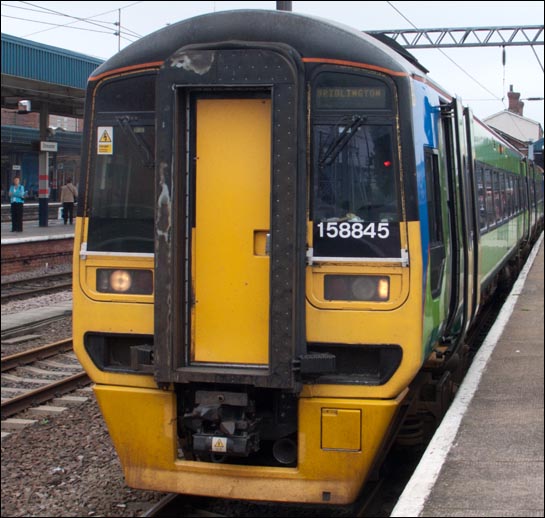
<point x="285" y="232"/>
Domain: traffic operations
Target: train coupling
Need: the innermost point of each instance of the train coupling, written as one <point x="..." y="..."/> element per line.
<point x="218" y="445"/>
<point x="222" y="423"/>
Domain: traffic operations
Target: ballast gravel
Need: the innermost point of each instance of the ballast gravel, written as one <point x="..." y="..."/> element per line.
<point x="64" y="464"/>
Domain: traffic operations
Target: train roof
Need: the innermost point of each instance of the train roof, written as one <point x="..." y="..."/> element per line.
<point x="309" y="36"/>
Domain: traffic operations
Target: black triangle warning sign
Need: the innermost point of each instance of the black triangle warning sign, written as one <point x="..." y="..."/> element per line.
<point x="105" y="137"/>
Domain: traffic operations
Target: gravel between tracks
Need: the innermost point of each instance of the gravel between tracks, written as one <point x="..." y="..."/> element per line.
<point x="64" y="465"/>
<point x="35" y="272"/>
<point x="49" y="333"/>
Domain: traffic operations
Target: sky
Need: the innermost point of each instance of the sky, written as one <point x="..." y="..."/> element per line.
<point x="477" y="75"/>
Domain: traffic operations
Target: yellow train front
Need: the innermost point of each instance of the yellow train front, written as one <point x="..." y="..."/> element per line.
<point x="254" y="291"/>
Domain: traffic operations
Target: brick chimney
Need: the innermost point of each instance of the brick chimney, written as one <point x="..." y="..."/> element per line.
<point x="515" y="104"/>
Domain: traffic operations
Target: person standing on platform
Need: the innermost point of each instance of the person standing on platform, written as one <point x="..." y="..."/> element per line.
<point x="17" y="199"/>
<point x="69" y="195"/>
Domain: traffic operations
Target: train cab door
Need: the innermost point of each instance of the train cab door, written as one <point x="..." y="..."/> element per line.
<point x="230" y="216"/>
<point x="461" y="206"/>
<point x="230" y="250"/>
<point x="473" y="225"/>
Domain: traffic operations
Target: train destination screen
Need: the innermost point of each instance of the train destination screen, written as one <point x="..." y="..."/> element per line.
<point x="343" y="97"/>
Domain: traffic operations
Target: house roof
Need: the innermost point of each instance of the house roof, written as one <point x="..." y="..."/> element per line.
<point x="518" y="127"/>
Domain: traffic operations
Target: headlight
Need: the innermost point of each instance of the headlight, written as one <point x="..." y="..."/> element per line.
<point x="133" y="282"/>
<point x="120" y="281"/>
<point x="365" y="288"/>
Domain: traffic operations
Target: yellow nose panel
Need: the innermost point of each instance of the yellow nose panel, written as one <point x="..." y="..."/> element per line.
<point x="231" y="280"/>
<point x="341" y="429"/>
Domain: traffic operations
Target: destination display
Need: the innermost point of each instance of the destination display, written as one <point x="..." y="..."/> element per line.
<point x="341" y="97"/>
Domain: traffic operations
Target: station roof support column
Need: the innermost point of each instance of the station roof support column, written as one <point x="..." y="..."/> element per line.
<point x="43" y="170"/>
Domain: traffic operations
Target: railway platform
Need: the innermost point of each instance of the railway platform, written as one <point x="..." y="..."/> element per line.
<point x="36" y="247"/>
<point x="32" y="232"/>
<point x="25" y="319"/>
<point x="56" y="229"/>
<point x="486" y="458"/>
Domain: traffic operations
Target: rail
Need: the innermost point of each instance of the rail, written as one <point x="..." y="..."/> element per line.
<point x="46" y="392"/>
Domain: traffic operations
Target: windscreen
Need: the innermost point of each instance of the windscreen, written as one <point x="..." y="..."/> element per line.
<point x="121" y="186"/>
<point x="357" y="182"/>
<point x="356" y="209"/>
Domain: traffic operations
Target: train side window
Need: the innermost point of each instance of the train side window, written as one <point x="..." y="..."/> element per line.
<point x="435" y="220"/>
<point x="481" y="189"/>
<point x="509" y="194"/>
<point x="491" y="219"/>
<point x="503" y="196"/>
<point x="533" y="202"/>
<point x="516" y="193"/>
<point x="522" y="193"/>
<point x="539" y="189"/>
<point x="497" y="197"/>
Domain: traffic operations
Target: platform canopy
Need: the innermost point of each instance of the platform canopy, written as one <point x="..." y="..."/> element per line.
<point x="44" y="74"/>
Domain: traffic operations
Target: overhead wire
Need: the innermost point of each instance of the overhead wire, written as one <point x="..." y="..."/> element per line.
<point x="444" y="54"/>
<point x="125" y="33"/>
<point x="40" y="10"/>
<point x="537" y="57"/>
<point x="129" y="35"/>
<point x="58" y="13"/>
<point x="55" y="25"/>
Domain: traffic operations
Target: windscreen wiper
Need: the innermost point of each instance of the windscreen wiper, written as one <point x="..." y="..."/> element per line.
<point x="140" y="145"/>
<point x="342" y="139"/>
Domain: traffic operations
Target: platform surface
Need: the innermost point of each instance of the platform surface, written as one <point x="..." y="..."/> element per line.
<point x="486" y="458"/>
<point x="32" y="231"/>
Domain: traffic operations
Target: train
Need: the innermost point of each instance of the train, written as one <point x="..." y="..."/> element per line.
<point x="285" y="232"/>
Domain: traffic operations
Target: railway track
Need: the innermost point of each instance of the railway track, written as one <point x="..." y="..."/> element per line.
<point x="175" y="505"/>
<point x="34" y="286"/>
<point x="372" y="503"/>
<point x="35" y="376"/>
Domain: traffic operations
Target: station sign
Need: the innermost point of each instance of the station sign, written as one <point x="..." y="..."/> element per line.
<point x="49" y="146"/>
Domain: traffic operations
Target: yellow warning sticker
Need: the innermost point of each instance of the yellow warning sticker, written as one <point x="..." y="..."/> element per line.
<point x="105" y="140"/>
<point x="219" y="444"/>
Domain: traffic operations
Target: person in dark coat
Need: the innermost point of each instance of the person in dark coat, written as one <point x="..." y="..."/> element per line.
<point x="69" y="195"/>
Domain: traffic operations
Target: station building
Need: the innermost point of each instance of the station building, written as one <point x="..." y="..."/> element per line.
<point x="43" y="92"/>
